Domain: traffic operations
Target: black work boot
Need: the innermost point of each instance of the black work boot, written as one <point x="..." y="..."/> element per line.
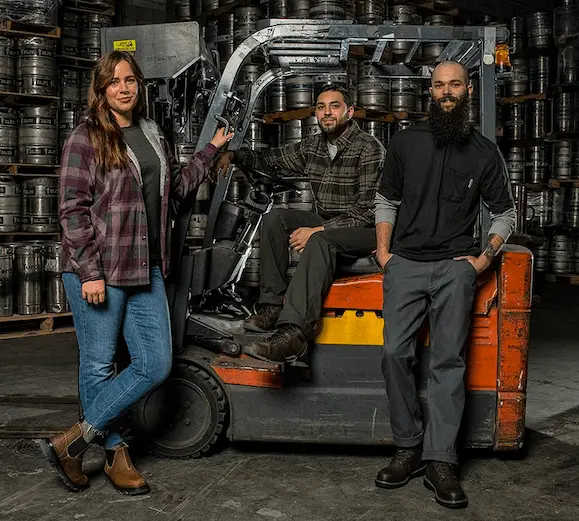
<point x="287" y="344"/>
<point x="264" y="320"/>
<point x="441" y="479"/>
<point x="405" y="465"/>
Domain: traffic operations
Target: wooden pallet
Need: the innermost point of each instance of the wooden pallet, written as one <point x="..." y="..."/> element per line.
<point x="20" y="326"/>
<point x="26" y="169"/>
<point x="570" y="278"/>
<point x="82" y="6"/>
<point x="75" y="62"/>
<point x="520" y="99"/>
<point x="12" y="235"/>
<point x="558" y="183"/>
<point x="17" y="99"/>
<point x="25" y="29"/>
<point x="360" y="113"/>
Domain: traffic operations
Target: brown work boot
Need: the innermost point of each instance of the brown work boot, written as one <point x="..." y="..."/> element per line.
<point x="441" y="479"/>
<point x="287" y="344"/>
<point x="405" y="465"/>
<point x="121" y="473"/>
<point x="64" y="452"/>
<point x="264" y="320"/>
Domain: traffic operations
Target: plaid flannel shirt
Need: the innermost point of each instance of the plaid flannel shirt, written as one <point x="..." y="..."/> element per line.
<point x="102" y="214"/>
<point x="344" y="188"/>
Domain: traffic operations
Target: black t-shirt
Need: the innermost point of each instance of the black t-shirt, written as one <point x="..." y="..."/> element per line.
<point x="151" y="175"/>
<point x="440" y="189"/>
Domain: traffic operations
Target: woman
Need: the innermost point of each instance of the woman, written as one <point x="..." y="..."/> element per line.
<point x="117" y="178"/>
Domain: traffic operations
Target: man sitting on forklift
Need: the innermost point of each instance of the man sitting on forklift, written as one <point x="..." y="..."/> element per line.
<point x="429" y="202"/>
<point x="344" y="166"/>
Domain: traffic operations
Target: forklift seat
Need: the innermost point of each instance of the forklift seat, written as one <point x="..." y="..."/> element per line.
<point x="362" y="266"/>
<point x="364" y="292"/>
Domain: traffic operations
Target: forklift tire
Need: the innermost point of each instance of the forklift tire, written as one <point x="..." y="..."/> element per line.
<point x="186" y="416"/>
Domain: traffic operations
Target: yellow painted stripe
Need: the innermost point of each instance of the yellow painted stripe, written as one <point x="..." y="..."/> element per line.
<point x="349" y="329"/>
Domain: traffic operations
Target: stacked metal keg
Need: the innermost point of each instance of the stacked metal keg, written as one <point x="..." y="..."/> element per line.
<point x="10" y="204"/>
<point x="38" y="136"/>
<point x="40" y="205"/>
<point x="248" y="75"/>
<point x="225" y="39"/>
<point x="537" y="162"/>
<point x="245" y="20"/>
<point x="561" y="255"/>
<point x="433" y="50"/>
<point x="36" y="66"/>
<point x="55" y="297"/>
<point x="39" y="12"/>
<point x="371" y="12"/>
<point x="403" y="14"/>
<point x="566" y="21"/>
<point x="6" y="279"/>
<point x="539" y="31"/>
<point x="70" y="38"/>
<point x="90" y="36"/>
<point x="515" y="158"/>
<point x="519" y="84"/>
<point x="7" y="64"/>
<point x="539" y="208"/>
<point x="8" y="135"/>
<point x="517" y="35"/>
<point x="572" y="208"/>
<point x="541" y="255"/>
<point x="568" y="63"/>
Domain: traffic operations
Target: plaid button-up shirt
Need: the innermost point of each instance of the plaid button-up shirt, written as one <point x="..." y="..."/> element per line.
<point x="102" y="214"/>
<point x="343" y="188"/>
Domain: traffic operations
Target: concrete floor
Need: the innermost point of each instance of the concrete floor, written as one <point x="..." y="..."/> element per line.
<point x="261" y="482"/>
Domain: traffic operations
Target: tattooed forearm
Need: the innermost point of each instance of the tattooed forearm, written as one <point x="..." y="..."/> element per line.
<point x="493" y="246"/>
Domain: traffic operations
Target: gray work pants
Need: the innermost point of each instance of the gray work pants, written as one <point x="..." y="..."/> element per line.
<point x="445" y="291"/>
<point x="303" y="299"/>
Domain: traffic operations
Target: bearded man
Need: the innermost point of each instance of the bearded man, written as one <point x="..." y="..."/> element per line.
<point x="344" y="165"/>
<point x="434" y="177"/>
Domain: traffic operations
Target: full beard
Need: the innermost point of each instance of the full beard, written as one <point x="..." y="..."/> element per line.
<point x="452" y="127"/>
<point x="336" y="131"/>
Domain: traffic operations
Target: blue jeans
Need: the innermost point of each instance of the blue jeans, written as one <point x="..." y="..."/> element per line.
<point x="142" y="314"/>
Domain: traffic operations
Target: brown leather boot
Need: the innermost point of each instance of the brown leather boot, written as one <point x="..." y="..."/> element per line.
<point x="64" y="452"/>
<point x="264" y="320"/>
<point x="122" y="475"/>
<point x="287" y="344"/>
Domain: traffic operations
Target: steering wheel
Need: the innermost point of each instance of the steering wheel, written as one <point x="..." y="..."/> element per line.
<point x="249" y="172"/>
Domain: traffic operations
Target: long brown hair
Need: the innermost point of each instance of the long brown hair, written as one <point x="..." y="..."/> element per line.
<point x="104" y="131"/>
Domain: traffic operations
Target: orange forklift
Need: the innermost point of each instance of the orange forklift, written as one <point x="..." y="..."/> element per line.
<point x="338" y="396"/>
<point x="215" y="391"/>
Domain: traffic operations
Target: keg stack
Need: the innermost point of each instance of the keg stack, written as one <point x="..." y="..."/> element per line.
<point x="31" y="279"/>
<point x="526" y="122"/>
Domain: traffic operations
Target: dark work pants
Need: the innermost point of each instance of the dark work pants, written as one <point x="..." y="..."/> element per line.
<point x="445" y="291"/>
<point x="302" y="300"/>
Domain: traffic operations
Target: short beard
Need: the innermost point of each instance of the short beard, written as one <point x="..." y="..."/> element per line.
<point x="452" y="127"/>
<point x="337" y="131"/>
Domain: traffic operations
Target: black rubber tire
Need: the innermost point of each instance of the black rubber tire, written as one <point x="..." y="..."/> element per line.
<point x="186" y="416"/>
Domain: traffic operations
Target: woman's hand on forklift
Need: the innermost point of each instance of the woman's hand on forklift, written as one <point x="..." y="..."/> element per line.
<point x="220" y="137"/>
<point x="222" y="163"/>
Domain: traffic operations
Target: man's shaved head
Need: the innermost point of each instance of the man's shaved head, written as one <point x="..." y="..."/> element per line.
<point x="451" y="67"/>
